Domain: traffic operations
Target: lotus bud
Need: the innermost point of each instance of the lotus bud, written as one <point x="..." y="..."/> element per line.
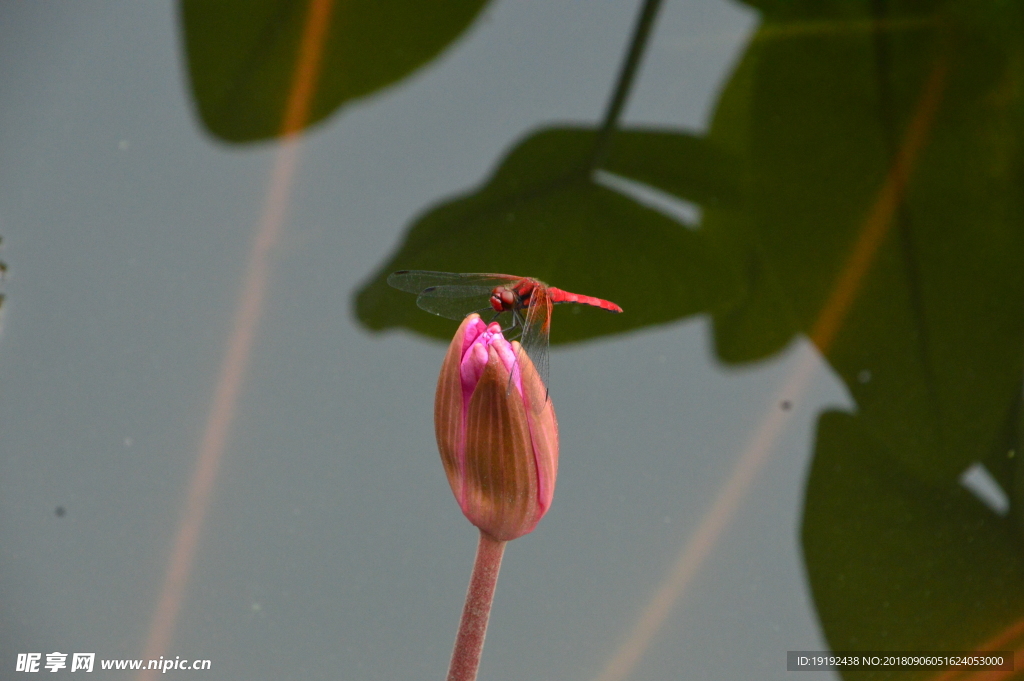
<point x="496" y="431"/>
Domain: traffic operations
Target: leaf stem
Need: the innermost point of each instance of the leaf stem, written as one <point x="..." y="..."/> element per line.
<point x="469" y="643"/>
<point x="641" y="32"/>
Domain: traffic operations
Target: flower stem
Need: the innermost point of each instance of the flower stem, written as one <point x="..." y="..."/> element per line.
<point x="469" y="643"/>
<point x="641" y="32"/>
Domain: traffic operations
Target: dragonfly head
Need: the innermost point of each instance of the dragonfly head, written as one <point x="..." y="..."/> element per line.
<point x="502" y="299"/>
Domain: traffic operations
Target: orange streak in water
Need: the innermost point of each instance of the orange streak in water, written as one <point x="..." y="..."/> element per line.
<point x="877" y="224"/>
<point x="239" y="345"/>
<point x="1011" y="632"/>
<point x="986" y="674"/>
<point x="696" y="551"/>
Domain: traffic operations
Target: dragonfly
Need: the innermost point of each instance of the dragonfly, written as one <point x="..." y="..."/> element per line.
<point x="522" y="304"/>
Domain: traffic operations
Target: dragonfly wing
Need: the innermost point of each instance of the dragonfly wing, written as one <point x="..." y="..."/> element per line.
<point x="416" y="281"/>
<point x="450" y="294"/>
<point x="454" y="301"/>
<point x="537" y="331"/>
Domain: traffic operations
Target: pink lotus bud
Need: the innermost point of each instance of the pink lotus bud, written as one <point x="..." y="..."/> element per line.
<point x="499" y="444"/>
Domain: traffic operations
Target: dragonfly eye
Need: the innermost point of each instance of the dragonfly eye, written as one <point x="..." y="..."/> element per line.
<point x="502" y="300"/>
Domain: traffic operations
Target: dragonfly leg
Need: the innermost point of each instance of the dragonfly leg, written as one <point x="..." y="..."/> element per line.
<point x="517" y="323"/>
<point x="494" y="318"/>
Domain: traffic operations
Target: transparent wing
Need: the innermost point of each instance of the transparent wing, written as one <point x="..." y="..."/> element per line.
<point x="416" y="281"/>
<point x="455" y="302"/>
<point x="537" y="332"/>
<point x="449" y="294"/>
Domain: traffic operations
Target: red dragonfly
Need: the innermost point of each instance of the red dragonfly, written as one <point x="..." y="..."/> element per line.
<point x="522" y="303"/>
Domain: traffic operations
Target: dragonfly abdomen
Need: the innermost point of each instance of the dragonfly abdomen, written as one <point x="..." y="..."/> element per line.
<point x="560" y="296"/>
